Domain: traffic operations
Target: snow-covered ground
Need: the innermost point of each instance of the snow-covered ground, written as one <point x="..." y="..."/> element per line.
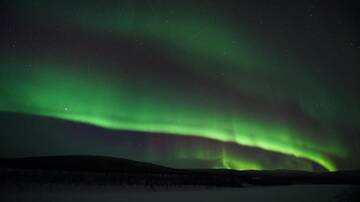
<point x="293" y="193"/>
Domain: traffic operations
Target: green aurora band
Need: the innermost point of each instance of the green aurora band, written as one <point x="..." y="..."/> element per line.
<point x="209" y="46"/>
<point x="212" y="46"/>
<point x="57" y="89"/>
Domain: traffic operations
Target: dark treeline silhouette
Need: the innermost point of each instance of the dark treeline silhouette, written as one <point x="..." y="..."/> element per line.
<point x="96" y="170"/>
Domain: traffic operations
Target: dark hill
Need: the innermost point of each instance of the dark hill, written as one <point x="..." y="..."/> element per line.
<point x="81" y="163"/>
<point x="97" y="170"/>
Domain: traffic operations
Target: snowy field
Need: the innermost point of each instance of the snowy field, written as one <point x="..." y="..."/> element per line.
<point x="293" y="193"/>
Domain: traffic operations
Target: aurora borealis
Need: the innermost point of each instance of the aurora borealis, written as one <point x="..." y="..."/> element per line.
<point x="190" y="84"/>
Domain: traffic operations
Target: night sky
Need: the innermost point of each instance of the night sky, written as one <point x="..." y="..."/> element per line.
<point x="188" y="84"/>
